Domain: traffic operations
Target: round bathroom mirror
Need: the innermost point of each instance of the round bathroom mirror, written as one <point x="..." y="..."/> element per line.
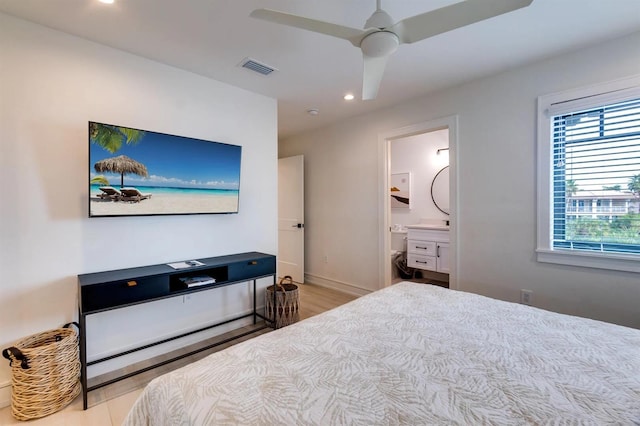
<point x="440" y="190"/>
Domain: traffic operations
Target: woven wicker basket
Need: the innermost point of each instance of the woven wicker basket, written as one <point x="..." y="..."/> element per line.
<point x="45" y="371"/>
<point x="287" y="302"/>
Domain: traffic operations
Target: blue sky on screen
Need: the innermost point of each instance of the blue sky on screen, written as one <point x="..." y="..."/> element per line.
<point x="175" y="161"/>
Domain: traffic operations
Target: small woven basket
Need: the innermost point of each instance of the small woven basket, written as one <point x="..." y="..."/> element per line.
<point x="45" y="371"/>
<point x="287" y="303"/>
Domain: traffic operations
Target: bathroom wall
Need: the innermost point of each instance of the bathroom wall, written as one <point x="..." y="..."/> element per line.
<point x="418" y="155"/>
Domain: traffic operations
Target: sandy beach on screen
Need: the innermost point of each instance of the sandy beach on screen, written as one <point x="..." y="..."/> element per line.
<point x="164" y="204"/>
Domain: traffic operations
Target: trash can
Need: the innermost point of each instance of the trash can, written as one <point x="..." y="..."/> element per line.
<point x="45" y="371"/>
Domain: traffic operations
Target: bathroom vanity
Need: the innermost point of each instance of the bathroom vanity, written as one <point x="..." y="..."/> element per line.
<point x="428" y="247"/>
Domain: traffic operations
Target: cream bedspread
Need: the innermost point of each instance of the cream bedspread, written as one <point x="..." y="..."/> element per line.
<point x="411" y="354"/>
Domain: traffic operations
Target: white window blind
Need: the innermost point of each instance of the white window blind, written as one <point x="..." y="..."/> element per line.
<point x="596" y="178"/>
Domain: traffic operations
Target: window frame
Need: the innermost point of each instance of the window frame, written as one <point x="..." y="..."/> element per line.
<point x="564" y="102"/>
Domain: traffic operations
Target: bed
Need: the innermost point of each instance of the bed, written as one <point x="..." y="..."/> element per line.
<point x="411" y="354"/>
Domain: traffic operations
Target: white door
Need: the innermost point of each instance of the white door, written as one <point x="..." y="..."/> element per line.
<point x="291" y="217"/>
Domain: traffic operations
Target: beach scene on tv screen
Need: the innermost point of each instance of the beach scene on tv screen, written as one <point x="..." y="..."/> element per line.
<point x="138" y="172"/>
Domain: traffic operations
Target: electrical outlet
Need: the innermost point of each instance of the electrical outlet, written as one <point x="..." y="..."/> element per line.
<point x="186" y="298"/>
<point x="525" y="297"/>
<point x="326" y="259"/>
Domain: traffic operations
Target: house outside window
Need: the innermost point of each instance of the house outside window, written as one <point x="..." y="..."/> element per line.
<point x="589" y="176"/>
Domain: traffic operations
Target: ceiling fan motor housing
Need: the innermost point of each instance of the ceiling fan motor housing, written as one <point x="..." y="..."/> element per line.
<point x="379" y="43"/>
<point x="380" y="19"/>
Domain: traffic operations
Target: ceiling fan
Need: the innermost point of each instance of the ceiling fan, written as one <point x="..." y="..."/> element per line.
<point x="381" y="36"/>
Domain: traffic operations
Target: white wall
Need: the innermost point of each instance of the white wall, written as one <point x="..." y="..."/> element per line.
<point x="496" y="188"/>
<point x="51" y="85"/>
<point x="418" y="155"/>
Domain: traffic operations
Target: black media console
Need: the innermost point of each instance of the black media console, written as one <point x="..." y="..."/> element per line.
<point x="104" y="291"/>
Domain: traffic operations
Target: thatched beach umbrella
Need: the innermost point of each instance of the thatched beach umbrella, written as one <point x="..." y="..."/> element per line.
<point x="123" y="165"/>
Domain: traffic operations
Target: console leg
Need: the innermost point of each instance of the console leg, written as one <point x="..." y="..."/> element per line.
<point x="255" y="318"/>
<point x="275" y="307"/>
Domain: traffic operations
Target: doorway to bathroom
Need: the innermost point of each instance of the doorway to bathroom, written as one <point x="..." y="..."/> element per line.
<point x="417" y="170"/>
<point x="418" y="164"/>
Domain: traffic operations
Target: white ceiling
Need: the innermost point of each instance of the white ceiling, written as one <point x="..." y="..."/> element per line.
<point x="211" y="38"/>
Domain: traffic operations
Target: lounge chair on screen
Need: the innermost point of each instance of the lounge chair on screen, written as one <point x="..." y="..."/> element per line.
<point x="109" y="192"/>
<point x="133" y="194"/>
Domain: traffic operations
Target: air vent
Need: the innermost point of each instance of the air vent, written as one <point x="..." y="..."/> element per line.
<point x="256" y="66"/>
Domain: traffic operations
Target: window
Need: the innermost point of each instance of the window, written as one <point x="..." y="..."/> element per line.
<point x="589" y="163"/>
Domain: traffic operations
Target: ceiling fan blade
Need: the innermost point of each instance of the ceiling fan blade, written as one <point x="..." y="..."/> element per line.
<point x="451" y="17"/>
<point x="372" y="75"/>
<point x="354" y="35"/>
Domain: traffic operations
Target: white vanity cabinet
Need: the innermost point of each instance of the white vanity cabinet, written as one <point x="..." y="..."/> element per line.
<point x="428" y="248"/>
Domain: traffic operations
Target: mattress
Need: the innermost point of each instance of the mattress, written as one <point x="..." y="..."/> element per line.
<point x="411" y="354"/>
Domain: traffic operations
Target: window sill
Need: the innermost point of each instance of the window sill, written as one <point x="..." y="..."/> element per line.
<point x="599" y="260"/>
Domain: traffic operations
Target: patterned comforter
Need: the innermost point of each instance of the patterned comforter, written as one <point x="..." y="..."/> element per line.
<point x="411" y="354"/>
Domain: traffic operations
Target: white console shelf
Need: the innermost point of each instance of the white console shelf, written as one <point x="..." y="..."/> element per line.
<point x="428" y="247"/>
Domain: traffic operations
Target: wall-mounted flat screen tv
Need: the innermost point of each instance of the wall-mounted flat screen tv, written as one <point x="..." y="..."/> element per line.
<point x="136" y="172"/>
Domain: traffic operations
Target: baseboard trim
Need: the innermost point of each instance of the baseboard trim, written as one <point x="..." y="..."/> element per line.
<point x="336" y="285"/>
<point x="5" y="394"/>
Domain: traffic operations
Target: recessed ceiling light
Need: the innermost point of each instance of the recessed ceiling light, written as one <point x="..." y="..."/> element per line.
<point x="106" y="1"/>
<point x="349" y="97"/>
<point x="313" y="111"/>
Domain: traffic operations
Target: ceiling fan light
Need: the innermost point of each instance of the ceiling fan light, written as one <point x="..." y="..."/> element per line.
<point x="380" y="43"/>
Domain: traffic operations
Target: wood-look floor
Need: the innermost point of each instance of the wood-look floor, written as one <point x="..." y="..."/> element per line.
<point x="109" y="405"/>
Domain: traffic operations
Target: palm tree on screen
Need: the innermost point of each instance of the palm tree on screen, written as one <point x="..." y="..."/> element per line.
<point x="111" y="138"/>
<point x="100" y="180"/>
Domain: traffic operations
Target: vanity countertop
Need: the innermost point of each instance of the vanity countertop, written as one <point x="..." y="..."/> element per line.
<point x="430" y="227"/>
